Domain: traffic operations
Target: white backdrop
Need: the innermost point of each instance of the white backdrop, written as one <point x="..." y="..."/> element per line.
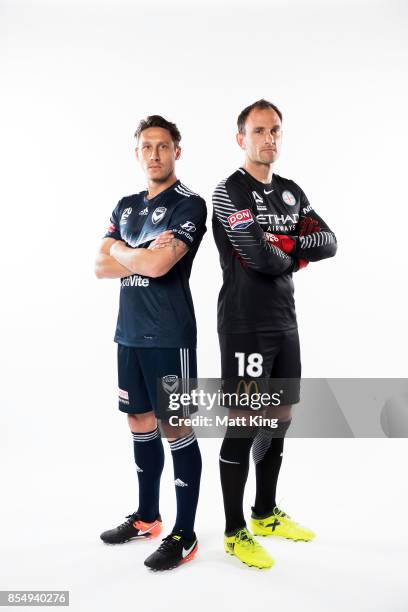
<point x="76" y="78"/>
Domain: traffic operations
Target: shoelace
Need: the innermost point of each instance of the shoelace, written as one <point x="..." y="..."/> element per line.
<point x="278" y="512"/>
<point x="131" y="519"/>
<point x="246" y="539"/>
<point x="168" y="543"/>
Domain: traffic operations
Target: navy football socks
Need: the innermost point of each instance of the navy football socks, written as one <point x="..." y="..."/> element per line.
<point x="187" y="474"/>
<point x="149" y="459"/>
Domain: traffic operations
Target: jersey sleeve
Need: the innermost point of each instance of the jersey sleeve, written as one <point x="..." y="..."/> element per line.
<point x="188" y="220"/>
<point x="315" y="240"/>
<point x="113" y="230"/>
<point x="233" y="210"/>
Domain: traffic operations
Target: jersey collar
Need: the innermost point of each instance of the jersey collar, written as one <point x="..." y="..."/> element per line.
<point x="159" y="195"/>
<point x="259" y="184"/>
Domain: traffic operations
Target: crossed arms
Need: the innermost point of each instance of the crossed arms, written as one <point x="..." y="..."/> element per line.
<point x="116" y="260"/>
<point x="273" y="254"/>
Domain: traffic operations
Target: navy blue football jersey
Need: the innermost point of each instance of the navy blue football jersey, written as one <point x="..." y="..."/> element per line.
<point x="158" y="312"/>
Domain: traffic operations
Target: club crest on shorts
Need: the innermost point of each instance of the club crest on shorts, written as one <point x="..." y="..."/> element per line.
<point x="170" y="383"/>
<point x="158" y="214"/>
<point x="240" y="219"/>
<point x="288" y="198"/>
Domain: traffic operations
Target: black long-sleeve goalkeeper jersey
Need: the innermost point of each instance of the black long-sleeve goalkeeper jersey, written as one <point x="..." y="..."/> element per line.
<point x="257" y="292"/>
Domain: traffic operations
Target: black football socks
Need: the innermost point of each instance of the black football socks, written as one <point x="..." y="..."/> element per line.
<point x="267" y="452"/>
<point x="234" y="466"/>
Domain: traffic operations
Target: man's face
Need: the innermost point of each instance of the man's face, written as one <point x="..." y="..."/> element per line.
<point x="262" y="138"/>
<point x="157" y="154"/>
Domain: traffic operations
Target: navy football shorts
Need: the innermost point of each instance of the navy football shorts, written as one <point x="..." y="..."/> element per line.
<point x="261" y="362"/>
<point x="148" y="376"/>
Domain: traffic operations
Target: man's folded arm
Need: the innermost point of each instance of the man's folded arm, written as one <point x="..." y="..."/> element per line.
<point x="107" y="266"/>
<point x="149" y="262"/>
<point x="315" y="240"/>
<point x="232" y="210"/>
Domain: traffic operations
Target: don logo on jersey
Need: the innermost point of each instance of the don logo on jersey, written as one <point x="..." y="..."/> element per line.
<point x="240" y="219"/>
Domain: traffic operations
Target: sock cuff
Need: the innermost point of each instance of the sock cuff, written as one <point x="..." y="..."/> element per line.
<point x="182" y="442"/>
<point x="147" y="436"/>
<point x="235" y="531"/>
<point x="264" y="515"/>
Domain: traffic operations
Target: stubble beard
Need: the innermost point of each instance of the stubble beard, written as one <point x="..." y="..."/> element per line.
<point x="161" y="179"/>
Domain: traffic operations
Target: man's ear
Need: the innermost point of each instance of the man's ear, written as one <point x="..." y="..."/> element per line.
<point x="178" y="152"/>
<point x="137" y="153"/>
<point x="241" y="140"/>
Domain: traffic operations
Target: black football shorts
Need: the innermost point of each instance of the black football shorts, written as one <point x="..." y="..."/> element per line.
<point x="261" y="362"/>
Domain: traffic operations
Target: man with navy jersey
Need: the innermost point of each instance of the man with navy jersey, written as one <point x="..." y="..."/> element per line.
<point x="265" y="229"/>
<point x="150" y="245"/>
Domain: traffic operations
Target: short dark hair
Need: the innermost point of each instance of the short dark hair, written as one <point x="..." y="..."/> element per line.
<point x="159" y="121"/>
<point x="261" y="105"/>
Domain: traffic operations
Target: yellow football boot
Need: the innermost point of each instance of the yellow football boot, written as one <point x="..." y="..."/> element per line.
<point x="243" y="546"/>
<point x="278" y="523"/>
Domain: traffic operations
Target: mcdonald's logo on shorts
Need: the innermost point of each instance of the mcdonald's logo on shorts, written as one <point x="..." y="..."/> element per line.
<point x="247" y="387"/>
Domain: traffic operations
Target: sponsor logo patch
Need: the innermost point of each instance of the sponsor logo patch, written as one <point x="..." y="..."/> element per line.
<point x="125" y="215"/>
<point x="240" y="219"/>
<point x="134" y="281"/>
<point x="183" y="233"/>
<point x="189" y="226"/>
<point x="144" y="211"/>
<point x="123" y="394"/>
<point x="258" y="199"/>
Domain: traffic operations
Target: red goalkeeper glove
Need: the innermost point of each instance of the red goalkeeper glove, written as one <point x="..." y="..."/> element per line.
<point x="302" y="263"/>
<point x="282" y="241"/>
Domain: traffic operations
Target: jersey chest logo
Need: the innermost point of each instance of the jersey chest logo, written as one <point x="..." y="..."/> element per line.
<point x="158" y="214"/>
<point x="288" y="198"/>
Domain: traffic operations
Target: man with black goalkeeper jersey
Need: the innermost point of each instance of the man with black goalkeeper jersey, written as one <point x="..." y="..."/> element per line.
<point x="265" y="229"/>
